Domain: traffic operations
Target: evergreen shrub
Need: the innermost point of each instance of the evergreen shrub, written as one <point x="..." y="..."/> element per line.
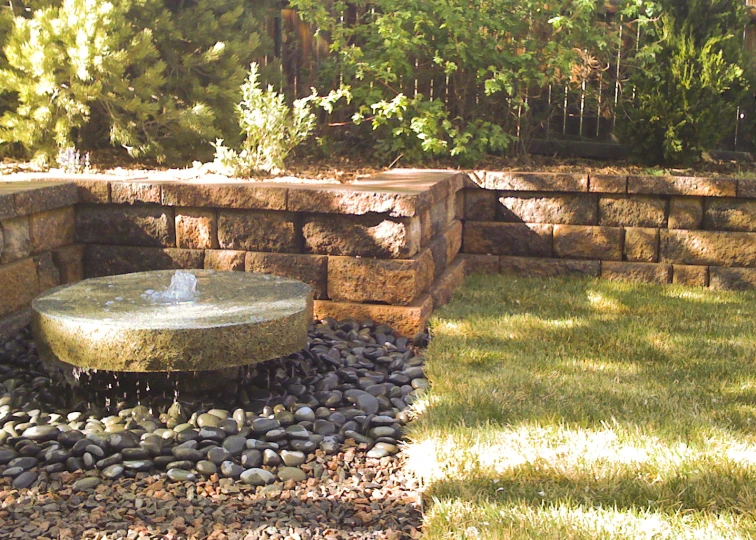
<point x="688" y="79"/>
<point x="157" y="77"/>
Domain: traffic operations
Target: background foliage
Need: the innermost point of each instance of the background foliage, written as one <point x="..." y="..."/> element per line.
<point x="427" y="78"/>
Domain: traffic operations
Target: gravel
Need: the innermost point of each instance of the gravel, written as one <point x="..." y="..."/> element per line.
<point x="306" y="446"/>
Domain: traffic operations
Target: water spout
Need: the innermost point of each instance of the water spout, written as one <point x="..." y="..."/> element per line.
<point x="183" y="288"/>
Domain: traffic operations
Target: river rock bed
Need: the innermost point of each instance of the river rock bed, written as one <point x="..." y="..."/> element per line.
<point x="322" y="427"/>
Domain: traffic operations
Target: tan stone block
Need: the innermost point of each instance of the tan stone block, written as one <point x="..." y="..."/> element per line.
<point x="607" y="183"/>
<point x="536" y="208"/>
<point x="578" y="242"/>
<point x="48" y="275"/>
<point x="695" y="276"/>
<point x="517" y="239"/>
<point x="736" y="279"/>
<point x="459" y="204"/>
<point x="426" y="232"/>
<point x="125" y="225"/>
<point x="441" y="214"/>
<point x="444" y="286"/>
<point x="364" y="236"/>
<point x="53" y="229"/>
<point x="37" y="197"/>
<point x="730" y="215"/>
<point x="125" y="192"/>
<point x="405" y="320"/>
<point x="480" y="264"/>
<point x="357" y="200"/>
<point x="682" y="185"/>
<point x="93" y="191"/>
<point x="224" y="260"/>
<point x="16" y="240"/>
<point x="18" y="285"/>
<point x="445" y="247"/>
<point x="685" y="213"/>
<point x="527" y="181"/>
<point x="633" y="211"/>
<point x="746" y="188"/>
<point x="636" y="272"/>
<point x="101" y="260"/>
<point x="69" y="261"/>
<point x="196" y="228"/>
<point x="480" y="205"/>
<point x="252" y="196"/>
<point x="311" y="269"/>
<point x="533" y="267"/>
<point x="258" y="230"/>
<point x="708" y="248"/>
<point x="641" y="244"/>
<point x="392" y="281"/>
<point x="7" y="203"/>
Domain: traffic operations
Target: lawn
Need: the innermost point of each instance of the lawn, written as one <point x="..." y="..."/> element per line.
<point x="589" y="409"/>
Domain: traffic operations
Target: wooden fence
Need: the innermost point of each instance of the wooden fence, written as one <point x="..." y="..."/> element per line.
<point x="587" y="113"/>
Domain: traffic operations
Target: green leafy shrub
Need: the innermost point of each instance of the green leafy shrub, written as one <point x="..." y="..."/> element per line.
<point x="451" y="77"/>
<point x="271" y="128"/>
<point x="157" y="78"/>
<point x="688" y="80"/>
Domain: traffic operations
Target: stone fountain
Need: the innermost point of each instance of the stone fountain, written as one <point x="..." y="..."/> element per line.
<point x="200" y="323"/>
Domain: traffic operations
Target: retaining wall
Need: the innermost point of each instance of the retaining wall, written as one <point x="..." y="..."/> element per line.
<point x="689" y="230"/>
<point x="386" y="247"/>
<point x="36" y="246"/>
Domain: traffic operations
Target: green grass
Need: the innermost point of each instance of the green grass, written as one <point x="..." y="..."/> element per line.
<point x="589" y="409"/>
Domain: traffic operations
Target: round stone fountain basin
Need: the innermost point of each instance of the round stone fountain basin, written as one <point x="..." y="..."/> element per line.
<point x="115" y="324"/>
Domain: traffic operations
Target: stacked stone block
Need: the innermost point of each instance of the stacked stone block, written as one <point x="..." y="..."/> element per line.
<point x="386" y="249"/>
<point x="36" y="246"/>
<point x="659" y="229"/>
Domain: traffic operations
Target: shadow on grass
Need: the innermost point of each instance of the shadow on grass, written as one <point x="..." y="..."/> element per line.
<point x="669" y="369"/>
<point x="584" y="352"/>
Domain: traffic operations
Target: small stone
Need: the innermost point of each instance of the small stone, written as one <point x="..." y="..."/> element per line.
<point x="209" y="420"/>
<point x="181" y="475"/>
<point x="271" y="458"/>
<point x="138" y="465"/>
<point x="212" y="433"/>
<point x="420" y="383"/>
<point x="206" y="467"/>
<point x="329" y="445"/>
<point x="381" y="431"/>
<point x="87" y="483"/>
<point x="229" y="469"/>
<point x="122" y="440"/>
<point x="6" y="455"/>
<point x="304" y="414"/>
<point x="257" y="477"/>
<point x="188" y="454"/>
<point x="113" y="472"/>
<point x="292" y="458"/>
<point x="297" y="432"/>
<point x="251" y="458"/>
<point x="41" y="433"/>
<point x="26" y="462"/>
<point x="25" y="479"/>
<point x="261" y="426"/>
<point x="324" y="427"/>
<point x="367" y="403"/>
<point x="218" y="455"/>
<point x="234" y="444"/>
<point x="12" y="472"/>
<point x="291" y="473"/>
<point x="303" y="446"/>
<point x="95" y="450"/>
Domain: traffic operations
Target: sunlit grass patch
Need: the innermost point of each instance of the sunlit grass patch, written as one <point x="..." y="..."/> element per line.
<point x="588" y="409"/>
